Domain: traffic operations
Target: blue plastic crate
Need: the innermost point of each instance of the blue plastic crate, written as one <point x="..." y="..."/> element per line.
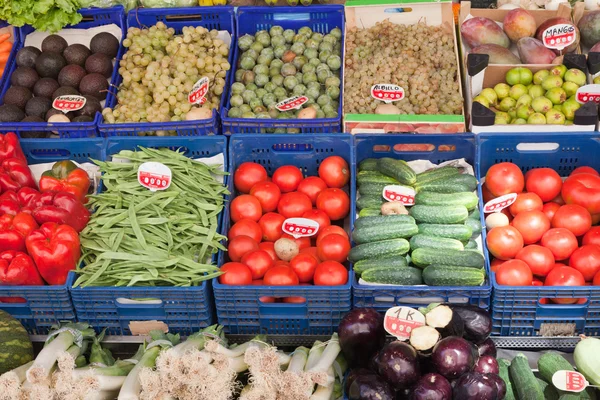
<point x="437" y="149"/>
<point x="220" y="18"/>
<point x="13" y="52"/>
<point x="320" y="18"/>
<point x="238" y="307"/>
<point x="184" y="309"/>
<point x="92" y="17"/>
<point x="44" y="306"/>
<point x="518" y="310"/>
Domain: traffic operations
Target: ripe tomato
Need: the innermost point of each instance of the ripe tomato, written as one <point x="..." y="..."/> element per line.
<point x="596" y="281"/>
<point x="259" y="261"/>
<point x="294" y="204"/>
<point x="304" y="265"/>
<point x="329" y="230"/>
<point x="318" y="216"/>
<point x="526" y="202"/>
<point x="564" y="276"/>
<point x="281" y="275"/>
<point x="334" y="247"/>
<point x="514" y="273"/>
<point x="559" y="200"/>
<point x="504" y="178"/>
<point x="561" y="242"/>
<point x="487" y="195"/>
<point x="335" y="203"/>
<point x="287" y="178"/>
<point x="550" y="209"/>
<point x="334" y="171"/>
<point x="302" y="242"/>
<point x="595" y="219"/>
<point x="504" y="242"/>
<point x="247" y="175"/>
<point x="574" y="218"/>
<point x="312" y="251"/>
<point x="257" y="282"/>
<point x="235" y="273"/>
<point x="245" y="206"/>
<point x="312" y="186"/>
<point x="271" y="224"/>
<point x="330" y="273"/>
<point x="586" y="260"/>
<point x="532" y="225"/>
<point x="545" y="182"/>
<point x="268" y="195"/>
<point x="539" y="259"/>
<point x="246" y="227"/>
<point x="239" y="246"/>
<point x="269" y="247"/>
<point x="592" y="236"/>
<point x="496" y="262"/>
<point x="267" y="299"/>
<point x="583" y="189"/>
<point x="537" y="282"/>
<point x="585" y="170"/>
<point x="294" y="300"/>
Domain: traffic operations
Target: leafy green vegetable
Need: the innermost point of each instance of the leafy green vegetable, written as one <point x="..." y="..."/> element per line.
<point x="43" y="15"/>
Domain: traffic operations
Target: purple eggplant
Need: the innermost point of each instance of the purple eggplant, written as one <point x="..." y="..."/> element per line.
<point x="478" y="323"/>
<point x="487" y="348"/>
<point x="500" y="385"/>
<point x="398" y="363"/>
<point x="361" y="335"/>
<point x="486" y="365"/>
<point x="353" y="374"/>
<point x="370" y="387"/>
<point x="445" y="320"/>
<point x="475" y="386"/>
<point x="453" y="356"/>
<point x="432" y="387"/>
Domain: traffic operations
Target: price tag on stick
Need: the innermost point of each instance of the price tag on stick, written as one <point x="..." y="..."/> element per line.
<point x="292" y="103"/>
<point x="198" y="93"/>
<point x="570" y="381"/>
<point x="499" y="203"/>
<point x="387" y="92"/>
<point x="588" y="93"/>
<point x="154" y="176"/>
<point x="300" y="227"/>
<point x="400" y="321"/>
<point x="403" y="194"/>
<point x="559" y="36"/>
<point x="68" y="103"/>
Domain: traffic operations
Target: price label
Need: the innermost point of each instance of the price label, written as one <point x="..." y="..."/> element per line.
<point x="291" y="103"/>
<point x="154" y="176"/>
<point x="400" y="321"/>
<point x="68" y="103"/>
<point x="499" y="203"/>
<point x="198" y="93"/>
<point x="387" y="92"/>
<point x="588" y="93"/>
<point x="300" y="227"/>
<point x="570" y="381"/>
<point x="559" y="36"/>
<point x="403" y="194"/>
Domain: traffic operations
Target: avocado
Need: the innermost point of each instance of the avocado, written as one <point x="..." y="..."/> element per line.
<point x="83" y="118"/>
<point x="63" y="91"/>
<point x="33" y="134"/>
<point x="94" y="85"/>
<point x="55" y="44"/>
<point x="18" y="96"/>
<point x="71" y="75"/>
<point x="51" y="112"/>
<point x="24" y="76"/>
<point x="26" y="56"/>
<point x="11" y="113"/>
<point x="92" y="105"/>
<point x="38" y="106"/>
<point x="76" y="54"/>
<point x="105" y="43"/>
<point x="100" y="64"/>
<point x="49" y="64"/>
<point x="45" y="87"/>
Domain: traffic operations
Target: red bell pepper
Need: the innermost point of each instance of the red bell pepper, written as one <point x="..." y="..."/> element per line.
<point x="15" y="174"/>
<point x="61" y="208"/>
<point x="18" y="269"/>
<point x="55" y="250"/>
<point x="12" y="202"/>
<point x="14" y="229"/>
<point x="10" y="147"/>
<point x="65" y="176"/>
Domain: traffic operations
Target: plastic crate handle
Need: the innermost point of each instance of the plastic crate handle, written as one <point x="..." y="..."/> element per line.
<point x="283" y="310"/>
<point x="20" y="310"/>
<point x="142" y="309"/>
<point x="543" y="147"/>
<point x="562" y="311"/>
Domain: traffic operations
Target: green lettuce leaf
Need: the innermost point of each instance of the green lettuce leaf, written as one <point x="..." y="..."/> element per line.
<point x="43" y="15"/>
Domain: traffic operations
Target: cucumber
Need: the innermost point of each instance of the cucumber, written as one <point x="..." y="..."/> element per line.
<point x="551" y="362"/>
<point x="434" y="242"/>
<point x="442" y="187"/>
<point x="587" y="394"/>
<point x="471" y="245"/>
<point x="371" y="189"/>
<point x="436" y="174"/>
<point x="393" y="276"/>
<point x="368" y="164"/>
<point x="466" y="258"/>
<point x="458" y="232"/>
<point x="524" y="381"/>
<point x="383" y="220"/>
<point x="375" y="233"/>
<point x="503" y="365"/>
<point x="550" y="392"/>
<point x="397" y="169"/>
<point x="467" y="182"/>
<point x="475" y="214"/>
<point x="475" y="226"/>
<point x="369" y="202"/>
<point x="375" y="177"/>
<point x="467" y="199"/>
<point x="384" y="248"/>
<point x="446" y="275"/>
<point x="439" y="214"/>
<point x="395" y="262"/>
<point x="369" y="212"/>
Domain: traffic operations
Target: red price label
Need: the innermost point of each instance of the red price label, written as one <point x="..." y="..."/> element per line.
<point x="154" y="176"/>
<point x="570" y="381"/>
<point x="500" y="203"/>
<point x="559" y="36"/>
<point x="588" y="93"/>
<point x="387" y="92"/>
<point x="291" y="103"/>
<point x="400" y="321"/>
<point x="198" y="93"/>
<point x="403" y="194"/>
<point x="300" y="227"/>
<point x="68" y="103"/>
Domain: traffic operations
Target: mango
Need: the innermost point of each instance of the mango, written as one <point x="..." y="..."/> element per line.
<point x="519" y="23"/>
<point x="589" y="27"/>
<point x="498" y="54"/>
<point x="532" y="51"/>
<point x="479" y="30"/>
<point x="555" y="21"/>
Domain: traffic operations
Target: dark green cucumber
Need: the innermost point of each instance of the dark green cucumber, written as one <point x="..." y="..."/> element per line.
<point x="464" y="258"/>
<point x="368" y="234"/>
<point x="436" y="174"/>
<point x="384" y="248"/>
<point x="467" y="199"/>
<point x="374" y="177"/>
<point x="458" y="232"/>
<point x="369" y="202"/>
<point x="447" y="275"/>
<point x="475" y="214"/>
<point x="468" y="183"/>
<point x="441" y="187"/>
<point x="439" y="214"/>
<point x="475" y="226"/>
<point x="393" y="276"/>
<point x="550" y="392"/>
<point x="371" y="189"/>
<point x="471" y="245"/>
<point x="503" y="365"/>
<point x="368" y="164"/>
<point x="524" y="382"/>
<point x="383" y="220"/>
<point x="434" y="242"/>
<point x="395" y="262"/>
<point x="551" y="362"/>
<point x="397" y="169"/>
<point x="369" y="212"/>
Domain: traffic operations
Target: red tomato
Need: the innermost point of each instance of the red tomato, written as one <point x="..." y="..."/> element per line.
<point x="504" y="178"/>
<point x="268" y="195"/>
<point x="537" y="282"/>
<point x="287" y="178"/>
<point x="318" y="216"/>
<point x="539" y="259"/>
<point x="235" y="273"/>
<point x="335" y="203"/>
<point x="596" y="281"/>
<point x="294" y="204"/>
<point x="592" y="236"/>
<point x="267" y="299"/>
<point x="561" y="242"/>
<point x="312" y="251"/>
<point x="595" y="219"/>
<point x="586" y="260"/>
<point x="271" y="224"/>
<point x="496" y="262"/>
<point x="334" y="247"/>
<point x="334" y="171"/>
<point x="257" y="282"/>
<point x="330" y="273"/>
<point x="574" y="218"/>
<point x="329" y="230"/>
<point x="281" y="262"/>
<point x="504" y="242"/>
<point x="294" y="300"/>
<point x="550" y="209"/>
<point x="532" y="225"/>
<point x="514" y="273"/>
<point x="526" y="202"/>
<point x="559" y="200"/>
<point x="545" y="182"/>
<point x="304" y="265"/>
<point x="239" y="246"/>
<point x="269" y="247"/>
<point x="564" y="276"/>
<point x="506" y="212"/>
<point x="281" y="275"/>
<point x="247" y="175"/>
<point x="312" y="186"/>
<point x="585" y="170"/>
<point x="487" y="195"/>
<point x="259" y="261"/>
<point x="583" y="189"/>
<point x="302" y="242"/>
<point x="246" y="227"/>
<point x="245" y="206"/>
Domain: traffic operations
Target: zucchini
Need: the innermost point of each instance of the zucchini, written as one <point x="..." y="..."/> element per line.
<point x="384" y="248"/>
<point x="439" y="214"/>
<point x="550" y="392"/>
<point x="467" y="182"/>
<point x="475" y="214"/>
<point x="551" y="362"/>
<point x="467" y="199"/>
<point x="395" y="262"/>
<point x="371" y="189"/>
<point x="466" y="258"/>
<point x="458" y="232"/>
<point x="436" y="174"/>
<point x="446" y="275"/>
<point x="383" y="220"/>
<point x="503" y="365"/>
<point x="471" y="245"/>
<point x="369" y="202"/>
<point x="397" y="169"/>
<point x="524" y="381"/>
<point x="475" y="226"/>
<point x="368" y="164"/>
<point x="434" y="242"/>
<point x="393" y="276"/>
<point x="375" y="177"/>
<point x="369" y="212"/>
<point x="368" y="234"/>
